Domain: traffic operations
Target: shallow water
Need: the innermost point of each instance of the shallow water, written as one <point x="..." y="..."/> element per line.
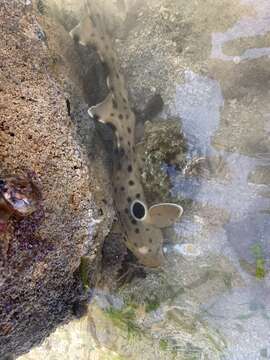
<point x="211" y="299"/>
<point x="242" y="192"/>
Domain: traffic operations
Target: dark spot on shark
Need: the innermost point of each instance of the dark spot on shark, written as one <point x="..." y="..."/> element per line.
<point x="129" y="199"/>
<point x="134" y="222"/>
<point x="129" y="130"/>
<point x="131" y="182"/>
<point x="150" y="240"/>
<point x="127" y="116"/>
<point x="138" y="196"/>
<point x="126" y="210"/>
<point x="129" y="168"/>
<point x="112" y="114"/>
<point x="137" y="231"/>
<point x="121" y="117"/>
<point x="122" y="188"/>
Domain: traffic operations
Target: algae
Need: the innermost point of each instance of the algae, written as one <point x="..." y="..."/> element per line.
<point x="260" y="261"/>
<point x="125" y="320"/>
<point x="84" y="272"/>
<point x="163" y="147"/>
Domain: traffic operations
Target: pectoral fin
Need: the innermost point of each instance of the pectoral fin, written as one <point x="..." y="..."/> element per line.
<point x="103" y="111"/>
<point x="164" y="214"/>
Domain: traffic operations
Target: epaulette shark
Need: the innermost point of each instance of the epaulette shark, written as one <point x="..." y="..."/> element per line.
<point x="141" y="224"/>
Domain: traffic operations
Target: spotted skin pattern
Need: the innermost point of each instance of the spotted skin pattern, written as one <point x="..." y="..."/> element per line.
<point x="143" y="238"/>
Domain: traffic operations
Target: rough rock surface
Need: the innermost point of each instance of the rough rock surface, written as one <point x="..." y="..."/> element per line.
<point x="40" y="284"/>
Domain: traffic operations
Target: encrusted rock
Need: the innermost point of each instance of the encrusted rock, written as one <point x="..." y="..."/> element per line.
<point x="40" y="133"/>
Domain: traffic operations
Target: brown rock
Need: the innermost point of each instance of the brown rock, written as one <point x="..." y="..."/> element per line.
<point x="40" y="254"/>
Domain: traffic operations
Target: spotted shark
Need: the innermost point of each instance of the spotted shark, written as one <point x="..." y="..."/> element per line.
<point x="141" y="224"/>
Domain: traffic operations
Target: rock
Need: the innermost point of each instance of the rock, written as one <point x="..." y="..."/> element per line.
<point x="40" y="284"/>
<point x="163" y="146"/>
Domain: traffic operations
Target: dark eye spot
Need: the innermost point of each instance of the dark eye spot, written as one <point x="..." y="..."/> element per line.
<point x="138" y="210"/>
<point x="137" y="231"/>
<point x="129" y="168"/>
<point x="147" y="229"/>
<point x="121" y="117"/>
<point x="138" y="196"/>
<point x="131" y="182"/>
<point x="134" y="222"/>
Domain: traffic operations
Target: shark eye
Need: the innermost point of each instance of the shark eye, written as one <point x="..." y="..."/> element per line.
<point x="138" y="210"/>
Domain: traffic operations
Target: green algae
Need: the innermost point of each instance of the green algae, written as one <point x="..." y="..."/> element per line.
<point x="151" y="304"/>
<point x="125" y="320"/>
<point x="259" y="260"/>
<point x="84" y="272"/>
<point x="163" y="344"/>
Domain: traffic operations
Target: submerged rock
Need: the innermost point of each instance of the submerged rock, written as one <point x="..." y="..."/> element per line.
<point x="40" y="284"/>
<point x="163" y="146"/>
